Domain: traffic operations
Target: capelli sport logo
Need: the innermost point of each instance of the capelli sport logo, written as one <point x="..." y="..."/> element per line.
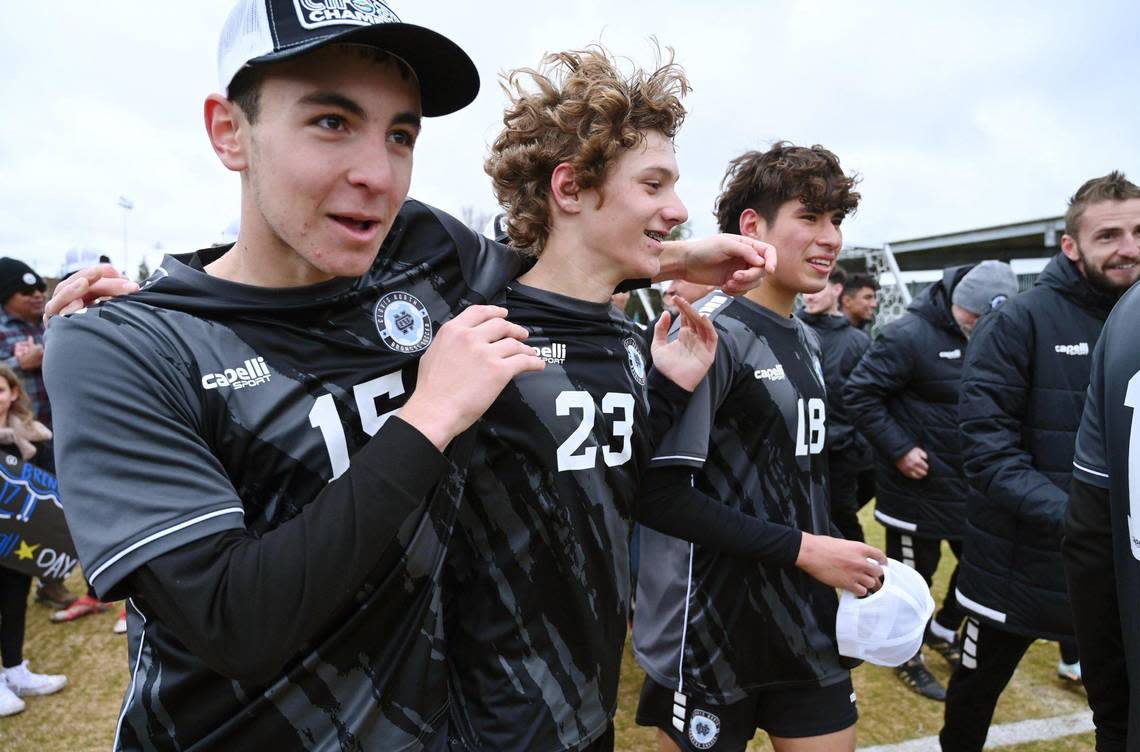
<point x="252" y="372"/>
<point x="1081" y="348"/>
<point x="314" y="14"/>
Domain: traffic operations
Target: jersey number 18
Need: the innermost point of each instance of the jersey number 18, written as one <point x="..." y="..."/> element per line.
<point x="810" y="426"/>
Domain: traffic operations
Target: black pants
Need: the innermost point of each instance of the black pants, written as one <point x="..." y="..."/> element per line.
<point x="843" y="486"/>
<point x="922" y="555"/>
<point x="14" y="588"/>
<point x="989" y="657"/>
<point x="867" y="488"/>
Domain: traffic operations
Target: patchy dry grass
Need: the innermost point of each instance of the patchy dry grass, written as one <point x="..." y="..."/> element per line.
<point x="83" y="716"/>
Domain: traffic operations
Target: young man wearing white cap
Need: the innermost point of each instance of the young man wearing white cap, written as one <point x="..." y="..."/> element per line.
<point x="294" y="462"/>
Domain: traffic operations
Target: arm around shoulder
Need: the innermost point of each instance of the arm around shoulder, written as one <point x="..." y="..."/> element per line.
<point x="145" y="496"/>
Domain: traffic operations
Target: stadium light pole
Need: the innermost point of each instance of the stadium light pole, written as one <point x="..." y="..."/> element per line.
<point x="126" y="205"/>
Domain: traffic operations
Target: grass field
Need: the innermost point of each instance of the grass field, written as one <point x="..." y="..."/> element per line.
<point x="83" y="716"/>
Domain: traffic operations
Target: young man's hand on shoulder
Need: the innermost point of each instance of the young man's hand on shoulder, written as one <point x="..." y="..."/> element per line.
<point x="471" y="360"/>
<point x="86" y="287"/>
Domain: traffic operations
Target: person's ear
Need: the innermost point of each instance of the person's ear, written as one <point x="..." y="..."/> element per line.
<point x="226" y="126"/>
<point x="752" y="225"/>
<point x="1070" y="249"/>
<point x="564" y="190"/>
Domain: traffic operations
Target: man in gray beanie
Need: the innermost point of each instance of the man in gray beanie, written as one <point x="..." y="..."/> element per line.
<point x="903" y="397"/>
<point x="984" y="288"/>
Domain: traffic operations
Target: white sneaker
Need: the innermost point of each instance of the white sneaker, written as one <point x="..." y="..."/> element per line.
<point x="10" y="703"/>
<point x="25" y="683"/>
<point x="1069" y="672"/>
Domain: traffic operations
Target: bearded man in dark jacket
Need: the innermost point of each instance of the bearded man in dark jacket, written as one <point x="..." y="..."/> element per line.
<point x="1023" y="390"/>
<point x="903" y="396"/>
<point x="848" y="453"/>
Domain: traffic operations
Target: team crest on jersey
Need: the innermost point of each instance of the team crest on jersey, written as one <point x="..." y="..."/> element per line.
<point x="704" y="729"/>
<point x="636" y="360"/>
<point x="403" y="322"/>
<point x="313" y="14"/>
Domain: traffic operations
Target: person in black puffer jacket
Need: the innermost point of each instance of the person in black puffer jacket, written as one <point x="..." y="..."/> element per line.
<point x="903" y="396"/>
<point x="841" y="346"/>
<point x="1023" y="390"/>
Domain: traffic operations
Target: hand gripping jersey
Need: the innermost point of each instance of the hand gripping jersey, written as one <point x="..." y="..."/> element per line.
<point x="538" y="589"/>
<point x="222" y="406"/>
<point x="719" y="626"/>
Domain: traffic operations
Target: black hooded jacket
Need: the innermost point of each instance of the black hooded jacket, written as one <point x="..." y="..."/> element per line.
<point x="904" y="394"/>
<point x="841" y="346"/>
<point x="1023" y="390"/>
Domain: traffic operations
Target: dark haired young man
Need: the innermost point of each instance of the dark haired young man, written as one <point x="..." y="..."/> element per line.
<point x="1024" y="385"/>
<point x="296" y="457"/>
<point x="735" y="643"/>
<point x="841" y="346"/>
<point x="860" y="299"/>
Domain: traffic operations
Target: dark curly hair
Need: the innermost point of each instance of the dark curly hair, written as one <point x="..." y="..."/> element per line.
<point x="764" y="181"/>
<point x="582" y="111"/>
<point x="1111" y="187"/>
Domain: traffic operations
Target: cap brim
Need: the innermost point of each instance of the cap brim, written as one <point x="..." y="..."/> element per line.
<point x="448" y="78"/>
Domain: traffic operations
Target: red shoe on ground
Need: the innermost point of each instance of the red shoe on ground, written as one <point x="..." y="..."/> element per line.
<point x="83" y="606"/>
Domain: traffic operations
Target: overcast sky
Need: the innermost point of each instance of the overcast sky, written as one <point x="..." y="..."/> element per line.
<point x="957" y="115"/>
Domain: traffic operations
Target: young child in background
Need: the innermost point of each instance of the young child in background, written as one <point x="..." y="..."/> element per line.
<point x="20" y="435"/>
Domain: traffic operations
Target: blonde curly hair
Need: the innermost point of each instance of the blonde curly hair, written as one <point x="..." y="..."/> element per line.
<point x="581" y="111"/>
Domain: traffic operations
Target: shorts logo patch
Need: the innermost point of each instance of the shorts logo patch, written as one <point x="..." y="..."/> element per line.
<point x="313" y="14"/>
<point x="704" y="729"/>
<point x="636" y="360"/>
<point x="403" y="322"/>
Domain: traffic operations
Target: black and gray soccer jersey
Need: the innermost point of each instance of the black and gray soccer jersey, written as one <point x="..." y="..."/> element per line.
<point x="1101" y="545"/>
<point x="1108" y="442"/>
<point x="200" y="406"/>
<point x="718" y="626"/>
<point x="538" y="592"/>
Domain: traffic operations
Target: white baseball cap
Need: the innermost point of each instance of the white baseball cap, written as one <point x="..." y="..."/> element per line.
<point x="264" y="31"/>
<point x="885" y="627"/>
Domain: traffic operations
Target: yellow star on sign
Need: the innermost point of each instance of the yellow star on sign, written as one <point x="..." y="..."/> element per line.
<point x="26" y="551"/>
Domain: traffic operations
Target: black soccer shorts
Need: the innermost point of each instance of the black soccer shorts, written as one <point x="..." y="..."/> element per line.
<point x="697" y="726"/>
